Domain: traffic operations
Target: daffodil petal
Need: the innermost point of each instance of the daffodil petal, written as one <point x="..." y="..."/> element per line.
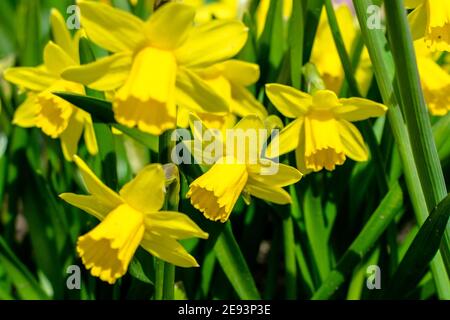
<point x="89" y="135"/>
<point x="34" y="79"/>
<point x="61" y="34"/>
<point x="435" y="84"/>
<point x="55" y="59"/>
<point x="274" y="174"/>
<point x="145" y="192"/>
<point x="300" y="158"/>
<point x="290" y="102"/>
<point x="111" y="28"/>
<point x="197" y="126"/>
<point x="26" y="113"/>
<point x="251" y="122"/>
<point x="169" y="26"/>
<point x="243" y="103"/>
<point x="90" y="204"/>
<point x="152" y="76"/>
<point x="105" y="74"/>
<point x="225" y="38"/>
<point x="269" y="193"/>
<point x="413" y="3"/>
<point x="352" y="141"/>
<point x="325" y="100"/>
<point x="195" y="94"/>
<point x="175" y="225"/>
<point x="95" y="186"/>
<point x="287" y="140"/>
<point x="418" y="22"/>
<point x="71" y="136"/>
<point x="357" y="109"/>
<point x="168" y="249"/>
<point x="241" y="72"/>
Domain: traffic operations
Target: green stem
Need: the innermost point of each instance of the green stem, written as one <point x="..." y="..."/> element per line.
<point x="414" y="107"/>
<point x="296" y="39"/>
<point x="416" y="112"/>
<point x="165" y="272"/>
<point x="289" y="258"/>
<point x="384" y="72"/>
<point x="374" y="228"/>
<point x="353" y="85"/>
<point x="169" y="281"/>
<point x="159" y="279"/>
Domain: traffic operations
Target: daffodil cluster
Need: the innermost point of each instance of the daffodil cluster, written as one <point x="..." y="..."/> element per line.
<point x="180" y="68"/>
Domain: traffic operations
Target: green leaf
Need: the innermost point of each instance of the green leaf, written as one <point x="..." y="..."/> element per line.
<point x="7" y="29"/>
<point x="349" y="72"/>
<point x="271" y="45"/>
<point x="384" y="69"/>
<point x="208" y="267"/>
<point x="122" y="4"/>
<point x="248" y="52"/>
<point x="141" y="267"/>
<point x="313" y="12"/>
<point x="416" y="116"/>
<point x="441" y="131"/>
<point x="233" y="264"/>
<point x="101" y="111"/>
<point x="374" y="228"/>
<point x="289" y="258"/>
<point x="273" y="263"/>
<point x="148" y="140"/>
<point x="316" y="232"/>
<point x="422" y="250"/>
<point x="414" y="107"/>
<point x="26" y="285"/>
<point x="295" y="39"/>
<point x="44" y="244"/>
<point x="104" y="136"/>
<point x="31" y="52"/>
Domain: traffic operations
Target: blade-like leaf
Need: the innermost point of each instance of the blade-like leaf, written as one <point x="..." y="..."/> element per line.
<point x="233" y="264"/>
<point x="26" y="285"/>
<point x="420" y="253"/>
<point x="374" y="228"/>
<point x="99" y="109"/>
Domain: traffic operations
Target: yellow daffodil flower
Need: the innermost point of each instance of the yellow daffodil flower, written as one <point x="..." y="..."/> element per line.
<point x="53" y="115"/>
<point x="241" y="172"/>
<point x="130" y="218"/>
<point x="229" y="79"/>
<point x="435" y="81"/>
<point x="322" y="134"/>
<point x="326" y="57"/>
<point x="153" y="61"/>
<point x="430" y="20"/>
